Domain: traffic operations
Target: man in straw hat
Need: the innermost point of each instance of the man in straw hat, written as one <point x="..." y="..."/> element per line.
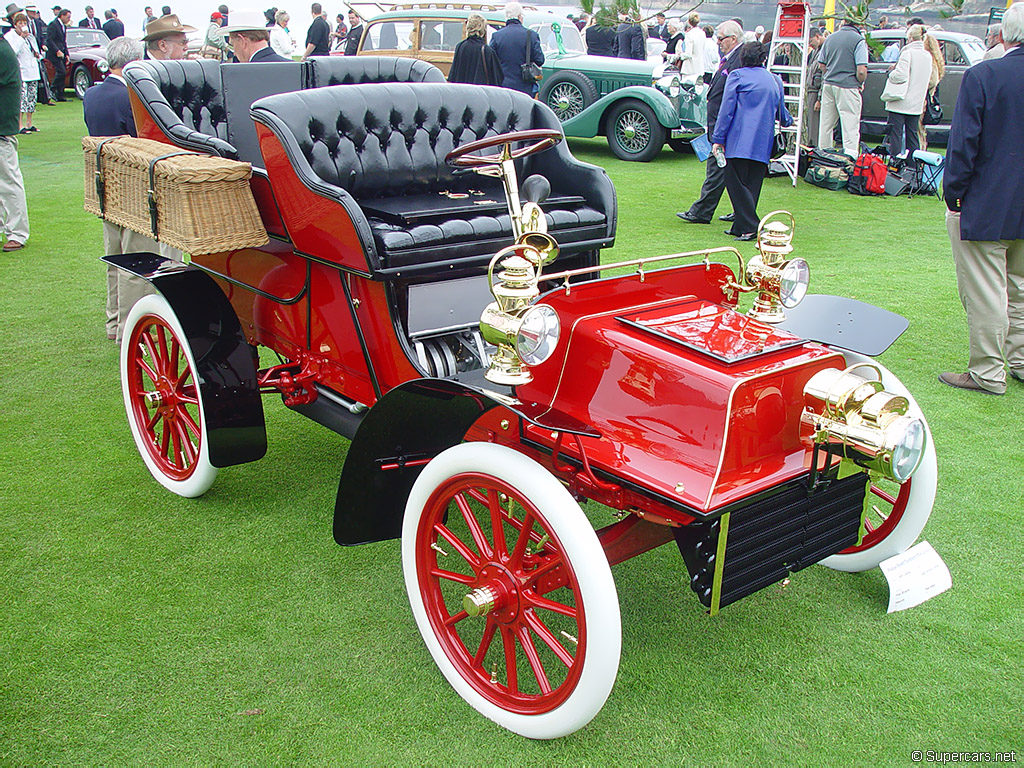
<point x="165" y="38"/>
<point x="248" y="34"/>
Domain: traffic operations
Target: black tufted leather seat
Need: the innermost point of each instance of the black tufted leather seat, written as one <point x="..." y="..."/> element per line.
<point x="366" y="143"/>
<point x="186" y="100"/>
<point x="355" y="70"/>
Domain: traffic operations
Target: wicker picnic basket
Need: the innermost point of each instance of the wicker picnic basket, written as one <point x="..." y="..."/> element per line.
<point x="195" y="202"/>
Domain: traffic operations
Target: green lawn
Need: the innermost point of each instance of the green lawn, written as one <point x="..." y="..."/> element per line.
<point x="142" y="628"/>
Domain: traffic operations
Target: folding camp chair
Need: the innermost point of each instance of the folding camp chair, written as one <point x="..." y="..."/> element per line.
<point x="928" y="168"/>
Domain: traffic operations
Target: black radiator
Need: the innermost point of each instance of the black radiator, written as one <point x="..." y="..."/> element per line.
<point x="773" y="535"/>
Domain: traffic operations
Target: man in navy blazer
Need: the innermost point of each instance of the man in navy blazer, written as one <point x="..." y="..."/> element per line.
<point x="510" y="43"/>
<point x="728" y="34"/>
<point x="984" y="192"/>
<point x="108" y="113"/>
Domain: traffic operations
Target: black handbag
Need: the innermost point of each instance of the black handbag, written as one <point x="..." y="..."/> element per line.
<point x="932" y="108"/>
<point x="779" y="146"/>
<point x="530" y="71"/>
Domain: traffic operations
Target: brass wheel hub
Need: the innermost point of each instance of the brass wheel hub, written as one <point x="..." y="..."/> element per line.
<point x="496" y="593"/>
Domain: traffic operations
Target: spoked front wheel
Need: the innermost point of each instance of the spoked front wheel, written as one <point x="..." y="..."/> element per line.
<point x="898" y="513"/>
<point x="511" y="590"/>
<point x="163" y="400"/>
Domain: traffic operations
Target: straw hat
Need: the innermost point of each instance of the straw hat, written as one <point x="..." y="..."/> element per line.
<point x="164" y="26"/>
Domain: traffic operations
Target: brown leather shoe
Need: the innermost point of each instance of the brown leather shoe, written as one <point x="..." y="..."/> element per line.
<point x="13" y="245"/>
<point x="964" y="381"/>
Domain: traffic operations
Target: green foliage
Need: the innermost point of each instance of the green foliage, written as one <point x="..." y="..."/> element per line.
<point x="954" y="8"/>
<point x="140" y="628"/>
<point x="858" y="13"/>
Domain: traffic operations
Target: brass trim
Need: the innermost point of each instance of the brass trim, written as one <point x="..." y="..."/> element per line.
<point x="716" y="584"/>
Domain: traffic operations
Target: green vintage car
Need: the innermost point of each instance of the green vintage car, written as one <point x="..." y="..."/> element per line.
<point x="636" y="105"/>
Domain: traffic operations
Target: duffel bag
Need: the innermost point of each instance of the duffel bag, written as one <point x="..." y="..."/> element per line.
<point x="830" y="158"/>
<point x="827" y="178"/>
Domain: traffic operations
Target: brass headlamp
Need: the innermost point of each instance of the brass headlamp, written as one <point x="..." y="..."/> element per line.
<point x="779" y="281"/>
<point x="524" y="333"/>
<point x="869" y="424"/>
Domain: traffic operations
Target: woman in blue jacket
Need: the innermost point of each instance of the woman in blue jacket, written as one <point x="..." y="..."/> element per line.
<point x="745" y="132"/>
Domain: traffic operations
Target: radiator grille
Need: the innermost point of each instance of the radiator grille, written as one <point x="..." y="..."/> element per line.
<point x="772" y="536"/>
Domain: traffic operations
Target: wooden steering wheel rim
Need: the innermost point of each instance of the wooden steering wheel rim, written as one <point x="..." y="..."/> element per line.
<point x="542" y="138"/>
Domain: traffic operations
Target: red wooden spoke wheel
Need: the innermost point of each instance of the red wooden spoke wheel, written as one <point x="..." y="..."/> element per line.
<point x="511" y="590"/>
<point x="540" y="139"/>
<point x="897" y="513"/>
<point x="162" y="398"/>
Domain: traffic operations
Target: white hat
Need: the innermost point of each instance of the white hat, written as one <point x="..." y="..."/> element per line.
<point x="245" y="20"/>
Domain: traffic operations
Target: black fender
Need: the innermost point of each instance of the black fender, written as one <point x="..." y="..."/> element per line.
<point x="845" y="323"/>
<point x="406" y="428"/>
<point x="226" y="366"/>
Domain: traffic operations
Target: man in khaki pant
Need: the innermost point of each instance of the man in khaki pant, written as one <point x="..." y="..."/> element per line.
<point x="984" y="192"/>
<point x="13" y="210"/>
<point x="843" y="57"/>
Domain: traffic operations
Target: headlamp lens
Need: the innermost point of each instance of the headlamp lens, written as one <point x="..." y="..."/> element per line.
<point x="538" y="334"/>
<point x="909" y="449"/>
<point x="793" y="282"/>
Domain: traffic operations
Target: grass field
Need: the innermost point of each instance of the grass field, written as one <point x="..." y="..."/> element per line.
<point x="141" y="628"/>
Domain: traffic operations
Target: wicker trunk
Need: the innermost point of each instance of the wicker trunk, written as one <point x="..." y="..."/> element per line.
<point x="198" y="203"/>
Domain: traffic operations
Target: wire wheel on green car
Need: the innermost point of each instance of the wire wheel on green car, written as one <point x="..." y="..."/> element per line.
<point x="634" y="132"/>
<point x="568" y="94"/>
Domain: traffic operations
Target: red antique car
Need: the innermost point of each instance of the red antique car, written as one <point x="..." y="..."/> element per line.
<point x="87" y="63"/>
<point x="459" y="329"/>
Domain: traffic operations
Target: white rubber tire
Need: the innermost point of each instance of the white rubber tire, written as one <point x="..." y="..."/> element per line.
<point x="588" y="561"/>
<point x="204" y="473"/>
<point x="922" y="490"/>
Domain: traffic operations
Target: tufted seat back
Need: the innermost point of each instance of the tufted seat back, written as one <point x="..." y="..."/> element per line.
<point x="372" y="140"/>
<point x="379" y="150"/>
<point x="186" y="99"/>
<point x="354" y="70"/>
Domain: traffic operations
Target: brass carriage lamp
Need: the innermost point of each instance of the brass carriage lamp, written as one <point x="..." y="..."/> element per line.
<point x="869" y="424"/>
<point x="781" y="282"/>
<point x="524" y="333"/>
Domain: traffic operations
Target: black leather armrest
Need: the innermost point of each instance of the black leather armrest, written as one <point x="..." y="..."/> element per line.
<point x="140" y="78"/>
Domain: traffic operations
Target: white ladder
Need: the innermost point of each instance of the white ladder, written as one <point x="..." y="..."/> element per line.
<point x="792" y="16"/>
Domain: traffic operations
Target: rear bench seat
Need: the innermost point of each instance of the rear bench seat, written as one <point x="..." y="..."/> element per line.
<point x="385" y="145"/>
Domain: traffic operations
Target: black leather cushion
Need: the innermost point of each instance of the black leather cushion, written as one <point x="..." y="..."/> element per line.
<point x="473" y="235"/>
<point x="243" y="84"/>
<point x="355" y="70"/>
<point x="186" y="100"/>
<point x="364" y="142"/>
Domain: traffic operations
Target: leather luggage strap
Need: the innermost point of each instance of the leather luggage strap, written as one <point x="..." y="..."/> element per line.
<point x="101" y="185"/>
<point x="152" y="187"/>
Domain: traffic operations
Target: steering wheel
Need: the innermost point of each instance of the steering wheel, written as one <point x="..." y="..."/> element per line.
<point x="541" y="138"/>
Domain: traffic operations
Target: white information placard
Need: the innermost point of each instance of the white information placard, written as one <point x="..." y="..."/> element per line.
<point x="917" y="575"/>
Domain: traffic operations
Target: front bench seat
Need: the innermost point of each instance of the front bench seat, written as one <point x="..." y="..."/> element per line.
<point x="366" y="143"/>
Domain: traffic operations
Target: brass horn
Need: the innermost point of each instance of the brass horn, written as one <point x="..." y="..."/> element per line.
<point x="543" y="243"/>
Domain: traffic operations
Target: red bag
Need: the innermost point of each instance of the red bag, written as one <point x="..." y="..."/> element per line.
<point x="868" y="177"/>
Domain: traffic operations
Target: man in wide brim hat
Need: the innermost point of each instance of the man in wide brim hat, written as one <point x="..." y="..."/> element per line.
<point x="12" y="8"/>
<point x="165" y="38"/>
<point x="165" y="26"/>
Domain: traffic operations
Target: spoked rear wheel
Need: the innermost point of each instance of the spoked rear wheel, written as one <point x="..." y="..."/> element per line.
<point x="511" y="590"/>
<point x="163" y="400"/>
<point x="898" y="513"/>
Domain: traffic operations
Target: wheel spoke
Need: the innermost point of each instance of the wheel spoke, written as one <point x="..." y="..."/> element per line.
<point x="508" y="642"/>
<point x="186" y="443"/>
<point x="545" y="634"/>
<point x="455" y="618"/>
<point x="165" y="440"/>
<point x="542" y="570"/>
<point x="175" y="442"/>
<point x="883" y="495"/>
<point x="467" y="554"/>
<point x="144" y="366"/>
<point x="153" y="421"/>
<point x="551" y="605"/>
<point x="524" y="539"/>
<point x="497" y="523"/>
<point x="482" y="545"/>
<point x="190" y="423"/>
<point x="161" y="340"/>
<point x="459" y="578"/>
<point x="534" y="658"/>
<point x="485" y="643"/>
<point x="147" y="339"/>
